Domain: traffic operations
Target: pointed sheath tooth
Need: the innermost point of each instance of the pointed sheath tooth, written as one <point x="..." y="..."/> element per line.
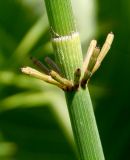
<point x="88" y="71"/>
<point x="106" y="47"/>
<point x="61" y="80"/>
<point x="52" y="65"/>
<point x="77" y="76"/>
<point x="85" y="79"/>
<point x="40" y="65"/>
<point x="93" y="59"/>
<point x="34" y="73"/>
<point x="89" y="54"/>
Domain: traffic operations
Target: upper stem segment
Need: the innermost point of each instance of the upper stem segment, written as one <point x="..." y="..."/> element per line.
<point x="59" y="14"/>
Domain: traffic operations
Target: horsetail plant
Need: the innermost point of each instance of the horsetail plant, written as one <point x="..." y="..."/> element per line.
<point x="73" y="75"/>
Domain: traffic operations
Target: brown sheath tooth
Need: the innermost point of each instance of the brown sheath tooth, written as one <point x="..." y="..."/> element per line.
<point x="52" y="65"/>
<point x="40" y="65"/>
<point x="77" y="75"/>
<point x="61" y="80"/>
<point x="89" y="54"/>
<point x="105" y="48"/>
<point x="85" y="79"/>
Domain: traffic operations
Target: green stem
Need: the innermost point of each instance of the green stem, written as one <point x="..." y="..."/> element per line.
<point x="57" y="10"/>
<point x="68" y="55"/>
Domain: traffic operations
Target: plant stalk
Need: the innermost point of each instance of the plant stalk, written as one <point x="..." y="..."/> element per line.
<point x="68" y="54"/>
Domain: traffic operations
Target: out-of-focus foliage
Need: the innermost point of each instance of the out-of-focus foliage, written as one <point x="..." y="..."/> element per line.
<point x="113" y="110"/>
<point x="34" y="122"/>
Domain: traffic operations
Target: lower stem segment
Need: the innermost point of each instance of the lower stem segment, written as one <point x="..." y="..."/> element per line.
<point x="84" y="125"/>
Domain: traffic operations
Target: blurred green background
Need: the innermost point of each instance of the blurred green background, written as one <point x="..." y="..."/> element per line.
<point x="34" y="122"/>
